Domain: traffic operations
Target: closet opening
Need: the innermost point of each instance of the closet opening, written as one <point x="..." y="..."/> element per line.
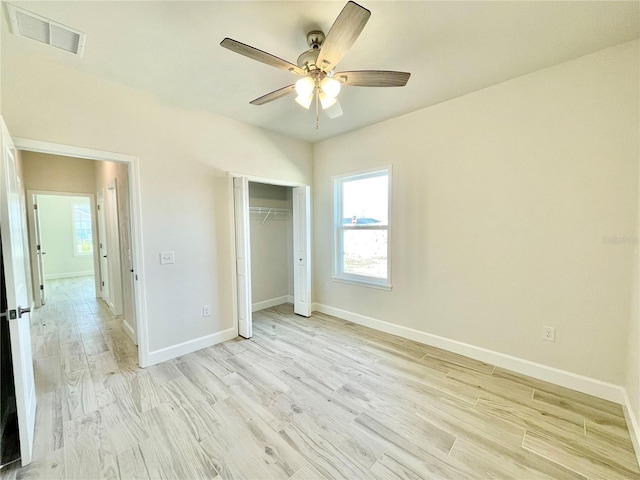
<point x="272" y="239"/>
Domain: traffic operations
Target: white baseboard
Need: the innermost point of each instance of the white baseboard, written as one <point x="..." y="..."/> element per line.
<point x="58" y="276"/>
<point x="129" y="329"/>
<point x="184" y="348"/>
<point x="272" y="302"/>
<point x="588" y="385"/>
<point x="632" y="424"/>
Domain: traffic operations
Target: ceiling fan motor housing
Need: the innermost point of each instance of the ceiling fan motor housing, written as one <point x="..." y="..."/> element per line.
<point x="307" y="60"/>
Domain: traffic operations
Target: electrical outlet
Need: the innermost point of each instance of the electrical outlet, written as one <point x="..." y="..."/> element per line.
<point x="326" y="286"/>
<point x="549" y="334"/>
<point x="167" y="257"/>
<point x="206" y="311"/>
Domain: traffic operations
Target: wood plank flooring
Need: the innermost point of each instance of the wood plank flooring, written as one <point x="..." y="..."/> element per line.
<point x="303" y="399"/>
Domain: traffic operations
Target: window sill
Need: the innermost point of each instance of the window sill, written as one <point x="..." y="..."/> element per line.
<point x="361" y="283"/>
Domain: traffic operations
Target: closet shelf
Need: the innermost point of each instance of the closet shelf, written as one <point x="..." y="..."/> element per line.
<point x="271" y="213"/>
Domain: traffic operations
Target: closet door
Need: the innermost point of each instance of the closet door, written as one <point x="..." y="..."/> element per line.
<point x="243" y="255"/>
<point x="302" y="251"/>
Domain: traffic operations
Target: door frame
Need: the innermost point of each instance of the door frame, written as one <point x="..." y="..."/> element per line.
<point x="102" y="243"/>
<point x="137" y="248"/>
<point x="31" y="223"/>
<point x="232" y="217"/>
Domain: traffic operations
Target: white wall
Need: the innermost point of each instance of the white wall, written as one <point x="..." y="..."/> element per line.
<point x="271" y="244"/>
<point x="501" y="201"/>
<point x="106" y="173"/>
<point x="184" y="158"/>
<point x="56" y="223"/>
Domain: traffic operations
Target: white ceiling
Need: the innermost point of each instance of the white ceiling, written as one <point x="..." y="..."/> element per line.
<point x="451" y="48"/>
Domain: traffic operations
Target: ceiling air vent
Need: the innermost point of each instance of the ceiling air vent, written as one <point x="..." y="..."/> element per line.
<point x="43" y="30"/>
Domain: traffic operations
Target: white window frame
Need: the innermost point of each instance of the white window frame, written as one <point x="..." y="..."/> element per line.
<point x="75" y="230"/>
<point x="339" y="274"/>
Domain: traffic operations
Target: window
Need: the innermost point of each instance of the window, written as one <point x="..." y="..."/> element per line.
<point x="82" y="234"/>
<point x="361" y="219"/>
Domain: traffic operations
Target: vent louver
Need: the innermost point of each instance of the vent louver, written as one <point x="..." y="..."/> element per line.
<point x="43" y="30"/>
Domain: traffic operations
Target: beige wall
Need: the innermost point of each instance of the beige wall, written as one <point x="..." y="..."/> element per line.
<point x="184" y="157"/>
<point x="271" y="247"/>
<point x="56" y="173"/>
<point x="501" y="201"/>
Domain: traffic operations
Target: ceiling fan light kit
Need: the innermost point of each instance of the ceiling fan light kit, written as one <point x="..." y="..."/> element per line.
<point x="304" y="102"/>
<point x="317" y="65"/>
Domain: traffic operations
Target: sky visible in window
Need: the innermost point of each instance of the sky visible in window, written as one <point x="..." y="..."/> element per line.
<point x="366" y="198"/>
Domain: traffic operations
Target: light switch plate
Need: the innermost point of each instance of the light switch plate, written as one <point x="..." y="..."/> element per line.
<point x="167" y="257"/>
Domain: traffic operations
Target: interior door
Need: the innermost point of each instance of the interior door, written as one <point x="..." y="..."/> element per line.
<point x="243" y="255"/>
<point x="39" y="286"/>
<point x="14" y="261"/>
<point x="104" y="257"/>
<point x="113" y="244"/>
<point x="302" y="251"/>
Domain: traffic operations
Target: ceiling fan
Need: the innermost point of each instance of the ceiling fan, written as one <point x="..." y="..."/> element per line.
<point x="317" y="65"/>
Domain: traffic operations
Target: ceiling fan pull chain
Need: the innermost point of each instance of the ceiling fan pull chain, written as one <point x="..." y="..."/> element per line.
<point x="317" y="113"/>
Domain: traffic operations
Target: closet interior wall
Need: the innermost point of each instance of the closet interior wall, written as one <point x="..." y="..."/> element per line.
<point x="270" y="208"/>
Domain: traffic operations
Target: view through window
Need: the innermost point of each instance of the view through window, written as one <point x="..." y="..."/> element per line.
<point x="362" y="221"/>
<point x="82" y="234"/>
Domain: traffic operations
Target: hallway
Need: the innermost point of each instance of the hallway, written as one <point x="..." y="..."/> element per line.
<point x="77" y="346"/>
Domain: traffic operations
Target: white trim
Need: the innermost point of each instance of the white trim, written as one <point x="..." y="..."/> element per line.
<point x="71" y="151"/>
<point x="362" y="283"/>
<point x="57" y="276"/>
<point x="272" y="302"/>
<point x="581" y="383"/>
<point x="267" y="180"/>
<point x="135" y="199"/>
<point x="190" y="346"/>
<point x="632" y="424"/>
<point x="129" y="329"/>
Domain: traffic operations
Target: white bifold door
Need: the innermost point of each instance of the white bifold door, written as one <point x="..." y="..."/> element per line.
<point x="243" y="255"/>
<point x="15" y="264"/>
<point x="301" y="251"/>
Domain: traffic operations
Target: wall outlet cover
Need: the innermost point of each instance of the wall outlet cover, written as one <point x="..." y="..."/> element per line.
<point x="166" y="258"/>
<point x="549" y="334"/>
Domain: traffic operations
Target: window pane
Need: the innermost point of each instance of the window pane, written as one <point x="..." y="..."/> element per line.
<point x="365" y="252"/>
<point x="82" y="227"/>
<point x="365" y="201"/>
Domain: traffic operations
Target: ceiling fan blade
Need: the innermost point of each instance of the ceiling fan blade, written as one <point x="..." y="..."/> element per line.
<point x="343" y="34"/>
<point x="276" y="94"/>
<point x="260" y="56"/>
<point x="373" y="78"/>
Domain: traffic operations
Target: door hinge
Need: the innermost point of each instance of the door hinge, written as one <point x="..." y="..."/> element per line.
<point x="38" y="247"/>
<point x="98" y="207"/>
<point x="41" y="287"/>
<point x="35" y="206"/>
<point x="103" y="284"/>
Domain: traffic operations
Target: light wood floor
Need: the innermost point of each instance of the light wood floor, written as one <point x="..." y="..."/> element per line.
<point x="303" y="399"/>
